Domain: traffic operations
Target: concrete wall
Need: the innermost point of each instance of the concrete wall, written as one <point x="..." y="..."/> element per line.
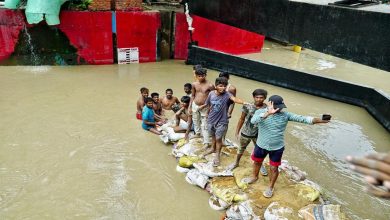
<point x="357" y="35"/>
<point x="214" y="35"/>
<point x="93" y="37"/>
<point x="375" y="102"/>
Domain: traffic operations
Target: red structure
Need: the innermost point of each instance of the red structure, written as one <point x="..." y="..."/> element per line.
<point x="215" y="35"/>
<point x="11" y="23"/>
<point x="90" y="33"/>
<point x="139" y="29"/>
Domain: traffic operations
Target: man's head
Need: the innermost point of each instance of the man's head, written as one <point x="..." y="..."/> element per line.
<point x="149" y="102"/>
<point x="185" y="101"/>
<point x="155" y="96"/>
<point x="169" y="93"/>
<point x="187" y="88"/>
<point x="259" y="95"/>
<point x="200" y="74"/>
<point x="220" y="84"/>
<point x="198" y="66"/>
<point x="144" y="92"/>
<point x="277" y="102"/>
<point x="224" y="74"/>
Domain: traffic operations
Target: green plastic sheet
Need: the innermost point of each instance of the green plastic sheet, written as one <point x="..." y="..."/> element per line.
<point x="37" y="10"/>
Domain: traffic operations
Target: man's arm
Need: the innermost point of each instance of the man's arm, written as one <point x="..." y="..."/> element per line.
<point x="259" y="115"/>
<point x="233" y="91"/>
<point x="304" y="119"/>
<point x="189" y="123"/>
<point x="238" y="100"/>
<point x="192" y="98"/>
<point x="240" y="123"/>
<point x="177" y="115"/>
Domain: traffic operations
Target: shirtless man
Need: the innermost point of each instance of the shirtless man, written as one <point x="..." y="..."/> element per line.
<point x="200" y="91"/>
<point x="157" y="108"/>
<point x="183" y="119"/>
<point x="168" y="101"/>
<point x="141" y="102"/>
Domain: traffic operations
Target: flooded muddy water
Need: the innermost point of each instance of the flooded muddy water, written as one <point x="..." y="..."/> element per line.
<point x="71" y="147"/>
<point x="316" y="63"/>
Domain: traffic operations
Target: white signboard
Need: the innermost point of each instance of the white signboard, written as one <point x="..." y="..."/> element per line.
<point x="128" y="55"/>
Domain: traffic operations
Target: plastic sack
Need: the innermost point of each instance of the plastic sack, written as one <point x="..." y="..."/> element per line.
<point x="11" y="4"/>
<point x="228" y="195"/>
<point x="187" y="161"/>
<point x="188" y="149"/>
<point x="208" y="170"/>
<point x="182" y="169"/>
<point x="217" y="204"/>
<point x="307" y="192"/>
<point x="195" y="178"/>
<point x="242" y="211"/>
<point x="277" y="212"/>
<point x="321" y="212"/>
<point x="292" y="172"/>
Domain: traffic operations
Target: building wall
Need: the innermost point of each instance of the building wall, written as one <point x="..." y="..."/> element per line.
<point x="100" y="5"/>
<point x="128" y="4"/>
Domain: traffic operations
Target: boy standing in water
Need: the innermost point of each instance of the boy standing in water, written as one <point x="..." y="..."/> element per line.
<point x="148" y="121"/>
<point x="272" y="123"/>
<point x="230" y="88"/>
<point x="141" y="102"/>
<point x="218" y="120"/>
<point x="246" y="131"/>
<point x="200" y="91"/>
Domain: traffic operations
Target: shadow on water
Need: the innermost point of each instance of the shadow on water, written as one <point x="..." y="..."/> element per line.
<point x="43" y="45"/>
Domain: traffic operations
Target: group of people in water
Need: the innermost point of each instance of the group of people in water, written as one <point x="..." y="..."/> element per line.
<point x="204" y="111"/>
<point x="206" y="108"/>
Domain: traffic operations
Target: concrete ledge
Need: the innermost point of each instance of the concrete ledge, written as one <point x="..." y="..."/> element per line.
<point x="374" y="101"/>
<point x="360" y="36"/>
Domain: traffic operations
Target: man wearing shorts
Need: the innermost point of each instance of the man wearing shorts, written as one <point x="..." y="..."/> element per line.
<point x="272" y="123"/>
<point x="246" y="132"/>
<point x="218" y="102"/>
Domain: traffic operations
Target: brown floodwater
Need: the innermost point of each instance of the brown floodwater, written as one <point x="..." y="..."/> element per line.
<point x="316" y="63"/>
<point x="71" y="147"/>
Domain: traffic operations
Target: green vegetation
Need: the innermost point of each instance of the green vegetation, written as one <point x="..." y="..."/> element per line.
<point x="79" y="4"/>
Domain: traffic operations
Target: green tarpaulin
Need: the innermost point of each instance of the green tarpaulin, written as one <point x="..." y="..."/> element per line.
<point x="37" y="10"/>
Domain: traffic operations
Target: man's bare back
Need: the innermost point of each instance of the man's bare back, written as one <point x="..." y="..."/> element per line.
<point x="200" y="91"/>
<point x="140" y="104"/>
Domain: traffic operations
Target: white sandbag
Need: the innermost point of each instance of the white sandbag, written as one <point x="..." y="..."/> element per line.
<point x="292" y="172"/>
<point x="187" y="149"/>
<point x="321" y="212"/>
<point x="218" y="204"/>
<point x="194" y="177"/>
<point x="276" y="212"/>
<point x="182" y="169"/>
<point x="208" y="170"/>
<point x="242" y="211"/>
